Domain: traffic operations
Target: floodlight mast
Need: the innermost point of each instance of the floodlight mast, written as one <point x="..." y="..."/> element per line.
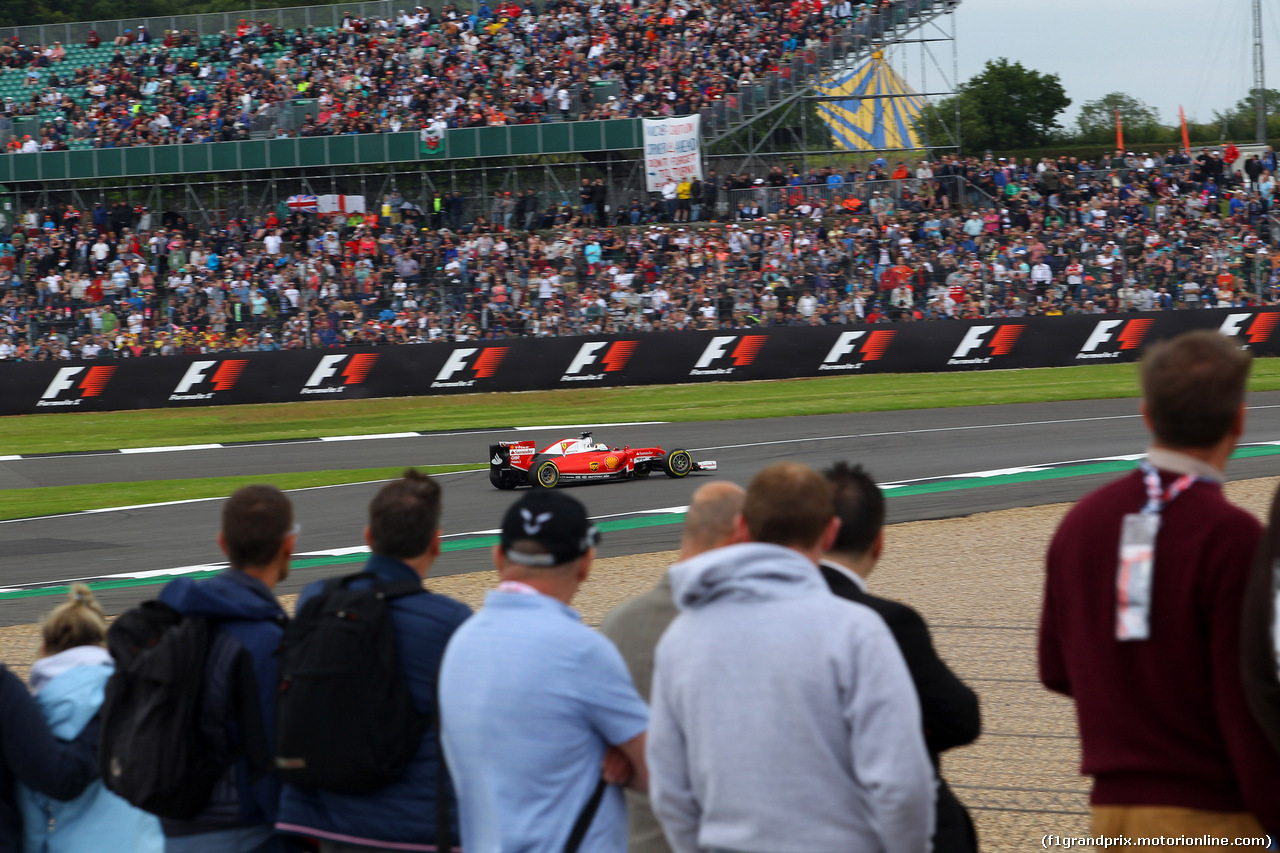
<point x="1259" y="77"/>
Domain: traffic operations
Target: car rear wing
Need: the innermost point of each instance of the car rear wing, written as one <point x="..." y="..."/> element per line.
<point x="506" y="455"/>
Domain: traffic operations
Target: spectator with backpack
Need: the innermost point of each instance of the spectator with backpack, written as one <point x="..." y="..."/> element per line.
<point x="359" y="747"/>
<point x="532" y="701"/>
<point x="69" y="681"/>
<point x="203" y="766"/>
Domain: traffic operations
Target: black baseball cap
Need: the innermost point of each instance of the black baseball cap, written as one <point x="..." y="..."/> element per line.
<point x="555" y="521"/>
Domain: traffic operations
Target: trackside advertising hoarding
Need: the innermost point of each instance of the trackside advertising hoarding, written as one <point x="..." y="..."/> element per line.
<point x="531" y="364"/>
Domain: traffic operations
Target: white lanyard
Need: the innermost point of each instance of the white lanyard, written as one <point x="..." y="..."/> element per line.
<point x="1158" y="498"/>
<point x="1135" y="569"/>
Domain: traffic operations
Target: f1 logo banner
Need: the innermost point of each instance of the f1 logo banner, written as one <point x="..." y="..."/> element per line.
<point x="725" y="353"/>
<point x="334" y="374"/>
<point x="201" y="380"/>
<point x="467" y="365"/>
<point x="853" y="350"/>
<point x="595" y="359"/>
<point x="532" y="364"/>
<point x="1110" y="338"/>
<point x="71" y="386"/>
<point x="982" y="344"/>
<point x="1252" y="328"/>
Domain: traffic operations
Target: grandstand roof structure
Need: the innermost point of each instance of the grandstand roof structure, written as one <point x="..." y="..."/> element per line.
<point x="880" y="111"/>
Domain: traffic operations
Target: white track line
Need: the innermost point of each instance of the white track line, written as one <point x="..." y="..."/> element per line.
<point x="204" y="500"/>
<point x="911" y="432"/>
<point x="359" y="550"/>
<point x="182" y="448"/>
<point x="354" y="551"/>
<point x="373" y="437"/>
<point x="933" y="430"/>
<point x="991" y="473"/>
<point x="593" y="426"/>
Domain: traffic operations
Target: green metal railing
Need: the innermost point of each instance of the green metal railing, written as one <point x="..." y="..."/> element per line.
<point x="320" y="152"/>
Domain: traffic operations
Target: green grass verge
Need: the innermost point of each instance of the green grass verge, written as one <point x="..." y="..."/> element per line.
<point x="716" y="401"/>
<point x="52" y="500"/>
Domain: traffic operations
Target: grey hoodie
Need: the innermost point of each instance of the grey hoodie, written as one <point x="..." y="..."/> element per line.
<point x="783" y="717"/>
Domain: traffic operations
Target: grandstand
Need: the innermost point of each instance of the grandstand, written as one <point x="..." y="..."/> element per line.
<point x="166" y="93"/>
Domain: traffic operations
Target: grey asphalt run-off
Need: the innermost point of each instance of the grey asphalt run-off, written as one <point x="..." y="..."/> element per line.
<point x="894" y="446"/>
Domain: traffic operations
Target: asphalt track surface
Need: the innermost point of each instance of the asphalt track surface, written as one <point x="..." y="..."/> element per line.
<point x="894" y="446"/>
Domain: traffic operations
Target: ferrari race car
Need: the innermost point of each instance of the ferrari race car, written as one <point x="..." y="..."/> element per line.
<point x="572" y="460"/>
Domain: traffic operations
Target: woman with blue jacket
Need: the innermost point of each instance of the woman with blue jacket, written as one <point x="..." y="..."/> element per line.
<point x="69" y="682"/>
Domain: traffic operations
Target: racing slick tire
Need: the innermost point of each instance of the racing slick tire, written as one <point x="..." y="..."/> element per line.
<point x="642" y="470"/>
<point x="502" y="479"/>
<point x="544" y="474"/>
<point x="678" y="463"/>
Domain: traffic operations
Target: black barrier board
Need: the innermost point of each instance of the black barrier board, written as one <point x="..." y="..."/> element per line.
<point x="532" y="364"/>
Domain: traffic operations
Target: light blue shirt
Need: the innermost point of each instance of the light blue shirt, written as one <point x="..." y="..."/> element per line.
<point x="529" y="699"/>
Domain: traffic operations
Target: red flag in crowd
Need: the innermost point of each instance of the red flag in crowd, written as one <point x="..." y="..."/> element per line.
<point x="1119" y="132"/>
<point x="1186" y="140"/>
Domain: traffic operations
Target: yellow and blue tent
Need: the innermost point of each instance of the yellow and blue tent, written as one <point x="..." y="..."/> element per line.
<point x="879" y="113"/>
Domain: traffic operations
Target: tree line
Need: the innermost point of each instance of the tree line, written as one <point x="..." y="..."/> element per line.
<point x="1007" y="106"/>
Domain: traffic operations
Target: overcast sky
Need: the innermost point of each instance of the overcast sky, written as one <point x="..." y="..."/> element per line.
<point x="1197" y="53"/>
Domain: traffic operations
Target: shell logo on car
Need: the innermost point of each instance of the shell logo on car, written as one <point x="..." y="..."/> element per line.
<point x="611" y="462"/>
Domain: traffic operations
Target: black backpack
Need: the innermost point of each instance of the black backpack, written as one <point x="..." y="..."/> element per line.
<point x="345" y="720"/>
<point x="156" y="751"/>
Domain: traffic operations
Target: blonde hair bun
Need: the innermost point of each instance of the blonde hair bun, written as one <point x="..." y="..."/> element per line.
<point x="78" y="621"/>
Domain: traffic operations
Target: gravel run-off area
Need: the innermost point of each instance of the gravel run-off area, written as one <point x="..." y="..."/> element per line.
<point x="977" y="580"/>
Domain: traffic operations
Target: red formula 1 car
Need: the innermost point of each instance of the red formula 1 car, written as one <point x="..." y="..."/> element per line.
<point x="572" y="460"/>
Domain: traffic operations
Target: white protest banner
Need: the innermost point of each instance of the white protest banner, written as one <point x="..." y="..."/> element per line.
<point x="672" y="149"/>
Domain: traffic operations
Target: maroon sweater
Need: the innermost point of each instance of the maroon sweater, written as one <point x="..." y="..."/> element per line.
<point x="1163" y="722"/>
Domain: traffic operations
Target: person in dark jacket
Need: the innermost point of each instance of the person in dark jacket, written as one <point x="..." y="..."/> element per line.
<point x="455" y="207"/>
<point x="33" y="757"/>
<point x="1260" y="632"/>
<point x="528" y="209"/>
<point x="600" y="200"/>
<point x="257" y="536"/>
<point x="404" y="535"/>
<point x="948" y="708"/>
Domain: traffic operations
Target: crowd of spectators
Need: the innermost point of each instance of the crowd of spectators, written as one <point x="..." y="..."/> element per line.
<point x="498" y="62"/>
<point x="956" y="238"/>
<point x="759" y="698"/>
